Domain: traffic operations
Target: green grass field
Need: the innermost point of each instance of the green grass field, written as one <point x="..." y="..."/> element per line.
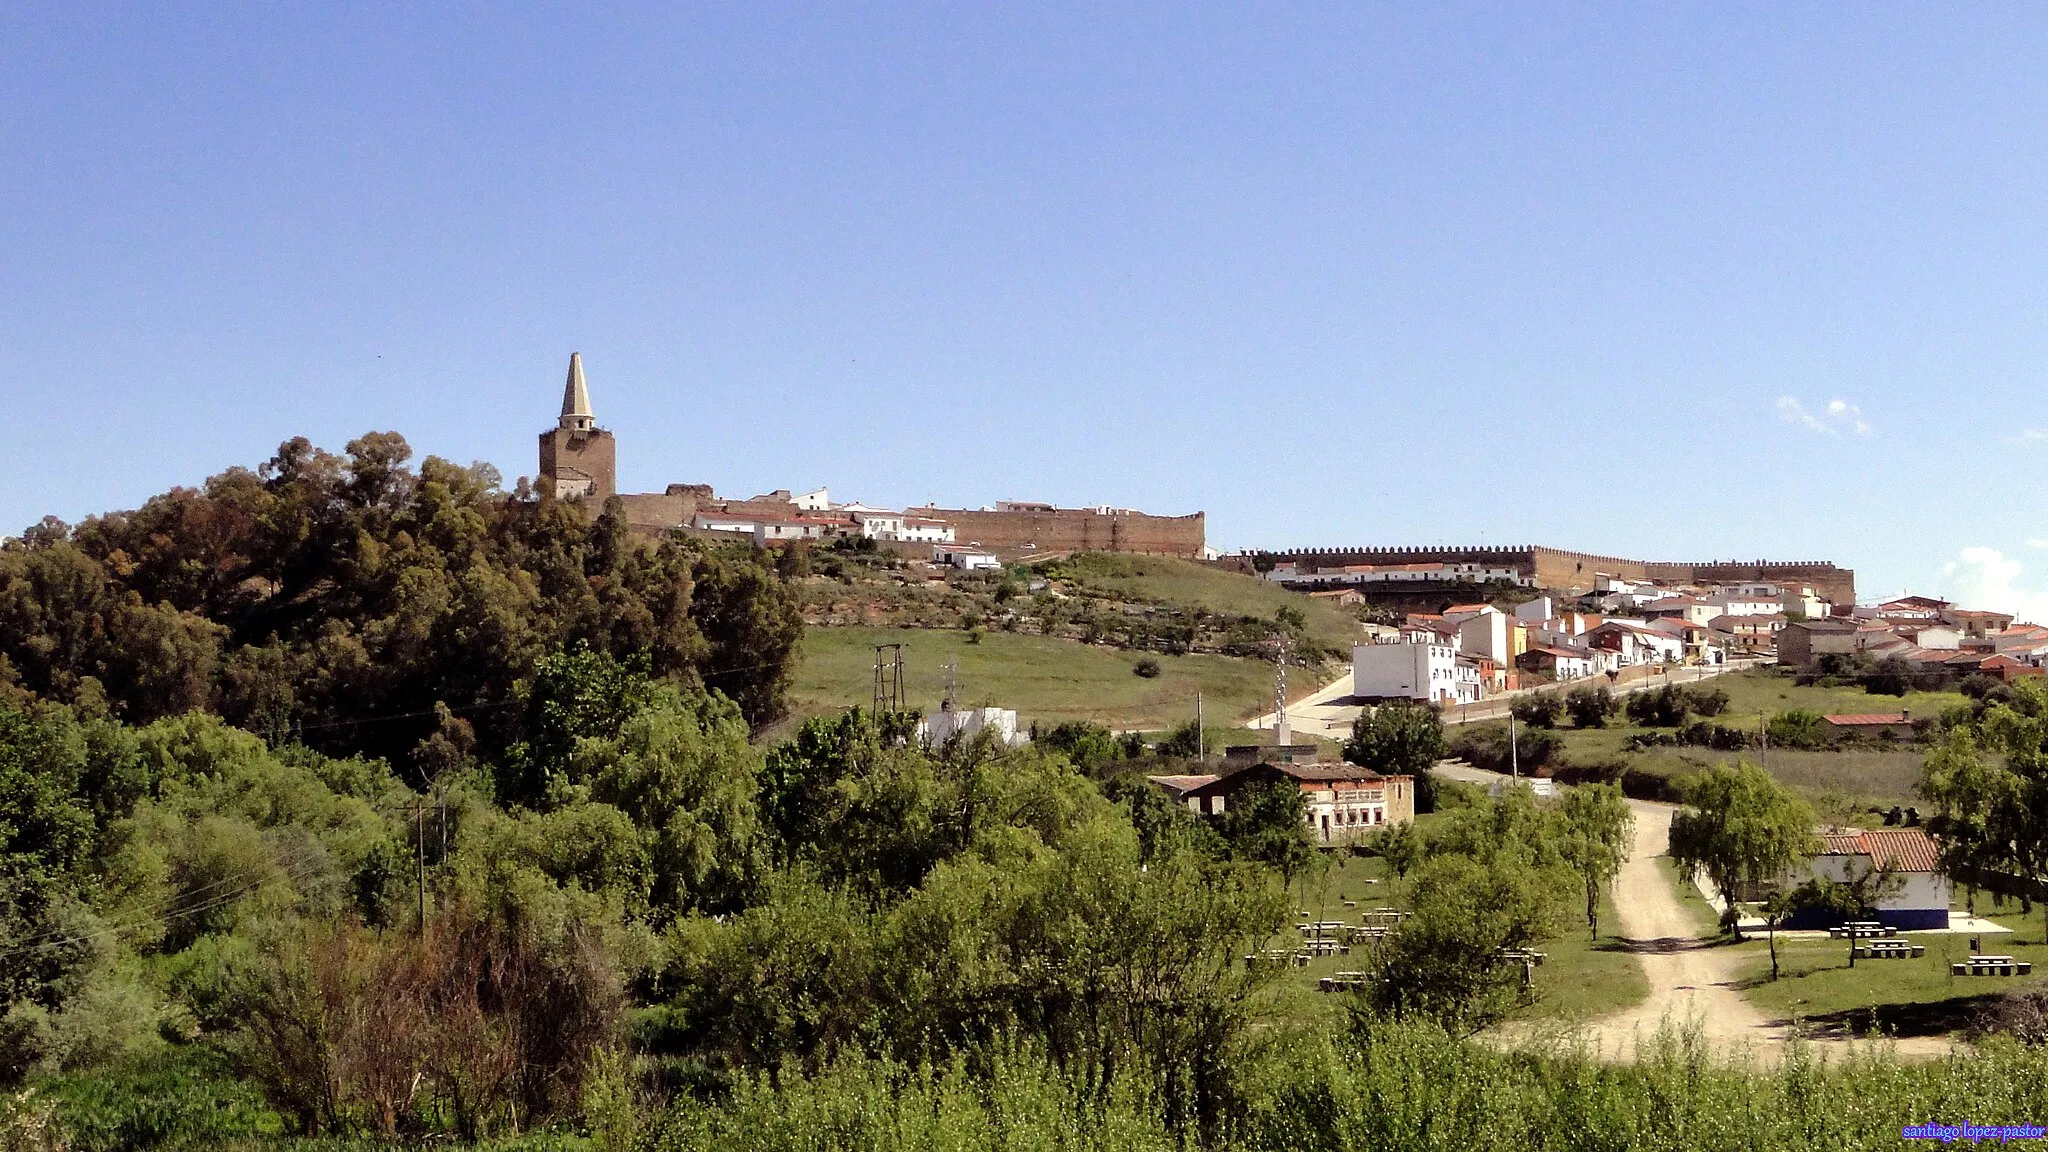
<point x="1580" y="978"/>
<point x="1916" y="997"/>
<point x="1869" y="775"/>
<point x="1186" y="584"/>
<point x="1046" y="680"/>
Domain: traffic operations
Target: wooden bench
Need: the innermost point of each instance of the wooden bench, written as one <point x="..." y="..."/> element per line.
<point x="1888" y="950"/>
<point x="1372" y="932"/>
<point x="1342" y="982"/>
<point x="1524" y="955"/>
<point x="1322" y="947"/>
<point x="1991" y="966"/>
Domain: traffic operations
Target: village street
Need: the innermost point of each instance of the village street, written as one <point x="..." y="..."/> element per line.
<point x="1328" y="711"/>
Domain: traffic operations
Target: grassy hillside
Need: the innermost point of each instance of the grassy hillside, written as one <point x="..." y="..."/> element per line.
<point x="1186" y="584"/>
<point x="1044" y="679"/>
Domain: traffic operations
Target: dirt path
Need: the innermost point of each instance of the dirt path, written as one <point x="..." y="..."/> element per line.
<point x="1692" y="982"/>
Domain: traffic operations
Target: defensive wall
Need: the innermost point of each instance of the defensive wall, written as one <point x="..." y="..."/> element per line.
<point x="1074" y="530"/>
<point x="1567" y="571"/>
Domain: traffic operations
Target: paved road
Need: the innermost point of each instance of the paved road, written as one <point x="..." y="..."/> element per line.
<point x="1328" y="711"/>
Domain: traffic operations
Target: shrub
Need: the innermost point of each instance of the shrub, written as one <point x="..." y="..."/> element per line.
<point x="1664" y="707"/>
<point x="1148" y="668"/>
<point x="1489" y="747"/>
<point x="1706" y="701"/>
<point x="1590" y="705"/>
<point x="1537" y="709"/>
<point x="1799" y="728"/>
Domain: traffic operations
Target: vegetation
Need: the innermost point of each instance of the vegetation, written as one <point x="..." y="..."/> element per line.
<point x="1046" y="680"/>
<point x="339" y="599"/>
<point x="1740" y="826"/>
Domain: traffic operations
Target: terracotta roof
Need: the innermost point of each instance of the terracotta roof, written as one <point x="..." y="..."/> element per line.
<point x="1910" y="847"/>
<point x="1851" y="720"/>
<point x="1974" y="614"/>
<point x="1906" y="849"/>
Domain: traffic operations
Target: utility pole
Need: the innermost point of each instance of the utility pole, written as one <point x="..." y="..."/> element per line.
<point x="1283" y="735"/>
<point x="888" y="679"/>
<point x="1514" y="753"/>
<point x="418" y="810"/>
<point x="1201" y="752"/>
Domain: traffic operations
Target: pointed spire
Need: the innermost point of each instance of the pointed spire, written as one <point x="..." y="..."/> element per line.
<point x="576" y="414"/>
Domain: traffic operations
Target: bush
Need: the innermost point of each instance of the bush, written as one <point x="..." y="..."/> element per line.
<point x="1148" y="668"/>
<point x="1537" y="709"/>
<point x="1664" y="707"/>
<point x="1799" y="728"/>
<point x="1489" y="747"/>
<point x="1590" y="705"/>
<point x="1706" y="701"/>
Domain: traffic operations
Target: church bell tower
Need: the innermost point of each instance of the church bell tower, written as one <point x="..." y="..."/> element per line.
<point x="577" y="458"/>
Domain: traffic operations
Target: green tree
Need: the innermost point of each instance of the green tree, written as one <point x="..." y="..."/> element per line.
<point x="1397" y="740"/>
<point x="1740" y="826"/>
<point x="1451" y="960"/>
<point x="1597" y="834"/>
<point x="1537" y="709"/>
<point x="1590" y="705"/>
<point x="1269" y="824"/>
<point x="1400" y="845"/>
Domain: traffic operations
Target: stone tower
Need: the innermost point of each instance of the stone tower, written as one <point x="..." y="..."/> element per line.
<point x="577" y="458"/>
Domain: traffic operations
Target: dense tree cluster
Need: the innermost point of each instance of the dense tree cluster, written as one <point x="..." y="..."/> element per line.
<point x="340" y="599"/>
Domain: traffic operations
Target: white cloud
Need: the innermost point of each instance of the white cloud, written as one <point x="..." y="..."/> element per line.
<point x="1843" y="412"/>
<point x="2027" y="436"/>
<point x="1985" y="578"/>
<point x="1839" y="416"/>
<point x="2036" y="542"/>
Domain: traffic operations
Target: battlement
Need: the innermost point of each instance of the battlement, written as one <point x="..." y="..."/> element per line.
<point x="1564" y="570"/>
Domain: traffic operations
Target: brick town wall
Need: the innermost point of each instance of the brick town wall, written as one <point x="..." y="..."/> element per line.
<point x="1075" y="530"/>
<point x="1559" y="569"/>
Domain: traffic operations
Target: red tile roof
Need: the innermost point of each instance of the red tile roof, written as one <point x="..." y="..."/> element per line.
<point x="1851" y="720"/>
<point x="1906" y="849"/>
<point x="1910" y="847"/>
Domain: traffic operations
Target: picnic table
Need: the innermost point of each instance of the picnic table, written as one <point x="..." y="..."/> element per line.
<point x="1991" y="966"/>
<point x="1888" y="950"/>
<point x="1342" y="982"/>
<point x="1373" y="932"/>
<point x="1524" y="955"/>
<point x="1862" y="929"/>
<point x="1322" y="946"/>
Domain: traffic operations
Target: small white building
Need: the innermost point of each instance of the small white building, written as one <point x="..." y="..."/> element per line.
<point x="949" y="722"/>
<point x="966" y="559"/>
<point x="720" y="522"/>
<point x="1562" y="663"/>
<point x="816" y="501"/>
<point x="1922" y="899"/>
<point x="918" y="530"/>
<point x="1485" y="633"/>
<point x="876" y="524"/>
<point x="1734" y="605"/>
<point x="1426" y="672"/>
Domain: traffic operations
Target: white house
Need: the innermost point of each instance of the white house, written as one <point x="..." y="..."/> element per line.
<point x="946" y="723"/>
<point x="1485" y="633"/>
<point x="1733" y="604"/>
<point x="816" y="501"/>
<point x="1634" y="642"/>
<point x="877" y="524"/>
<point x="1427" y="672"/>
<point x="1562" y="663"/>
<point x="1536" y="611"/>
<point x="1922" y="900"/>
<point x="918" y="530"/>
<point x="772" y="531"/>
<point x="965" y="559"/>
<point x="720" y="522"/>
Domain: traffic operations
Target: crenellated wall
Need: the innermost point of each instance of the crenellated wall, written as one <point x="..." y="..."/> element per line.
<point x="1564" y="570"/>
<point x="1075" y="530"/>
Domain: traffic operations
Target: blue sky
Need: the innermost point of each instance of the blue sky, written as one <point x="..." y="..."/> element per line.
<point x="1668" y="281"/>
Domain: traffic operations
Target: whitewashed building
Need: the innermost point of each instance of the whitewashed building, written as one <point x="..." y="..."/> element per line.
<point x="1425" y="672"/>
